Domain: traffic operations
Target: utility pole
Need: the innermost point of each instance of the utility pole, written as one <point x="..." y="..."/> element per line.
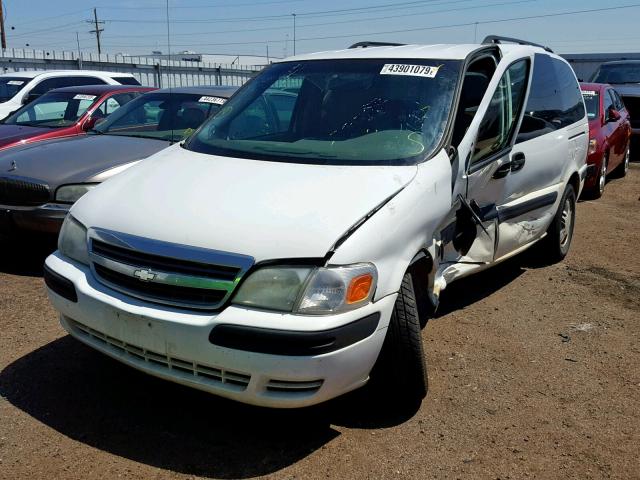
<point x="97" y="30"/>
<point x="294" y="33"/>
<point x="3" y="37"/>
<point x="268" y="54"/>
<point x="79" y="54"/>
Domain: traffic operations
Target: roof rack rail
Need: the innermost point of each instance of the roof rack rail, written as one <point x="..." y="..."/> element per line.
<point x="376" y="44"/>
<point x="499" y="39"/>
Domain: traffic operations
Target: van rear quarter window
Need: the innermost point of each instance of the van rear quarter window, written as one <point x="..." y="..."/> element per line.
<point x="555" y="100"/>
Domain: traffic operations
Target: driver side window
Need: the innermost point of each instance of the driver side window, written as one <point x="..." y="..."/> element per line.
<point x="499" y="122"/>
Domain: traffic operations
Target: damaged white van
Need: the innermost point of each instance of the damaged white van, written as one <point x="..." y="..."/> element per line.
<point x="291" y="249"/>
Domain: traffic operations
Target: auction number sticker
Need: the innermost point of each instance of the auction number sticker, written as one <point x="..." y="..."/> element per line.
<point x="589" y="92"/>
<point x="216" y="100"/>
<point x="83" y="96"/>
<point x="15" y="82"/>
<point x="411" y="70"/>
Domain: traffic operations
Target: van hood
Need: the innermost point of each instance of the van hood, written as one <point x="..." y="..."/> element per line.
<point x="268" y="210"/>
<point x="77" y="159"/>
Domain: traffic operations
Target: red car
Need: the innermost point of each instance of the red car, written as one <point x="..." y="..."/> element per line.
<point x="64" y="112"/>
<point x="609" y="136"/>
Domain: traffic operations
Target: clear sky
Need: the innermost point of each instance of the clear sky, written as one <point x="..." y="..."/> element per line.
<point x="248" y="26"/>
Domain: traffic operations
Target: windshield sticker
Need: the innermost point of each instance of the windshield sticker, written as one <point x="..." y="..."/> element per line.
<point x="589" y="92"/>
<point x="411" y="70"/>
<point x="82" y="96"/>
<point x="216" y="100"/>
<point x="15" y="82"/>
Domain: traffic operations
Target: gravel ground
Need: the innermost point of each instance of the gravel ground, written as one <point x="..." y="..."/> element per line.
<point x="534" y="373"/>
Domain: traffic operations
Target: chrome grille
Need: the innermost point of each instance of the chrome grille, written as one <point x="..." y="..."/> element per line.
<point x="167" y="273"/>
<point x="178" y="366"/>
<point x="23" y="191"/>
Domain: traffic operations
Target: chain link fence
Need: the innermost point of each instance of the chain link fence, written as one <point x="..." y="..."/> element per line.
<point x="148" y="71"/>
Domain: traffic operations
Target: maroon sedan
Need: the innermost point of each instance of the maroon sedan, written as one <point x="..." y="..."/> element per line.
<point x="609" y="136"/>
<point x="64" y="112"/>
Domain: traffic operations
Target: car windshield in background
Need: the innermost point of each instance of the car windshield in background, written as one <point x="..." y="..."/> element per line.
<point x="9" y="86"/>
<point x="53" y="110"/>
<point x="618" y="73"/>
<point x="162" y="116"/>
<point x="336" y="111"/>
<point x="592" y="102"/>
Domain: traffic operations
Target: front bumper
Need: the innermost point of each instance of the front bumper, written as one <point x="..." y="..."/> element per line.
<point x="46" y="218"/>
<point x="174" y="344"/>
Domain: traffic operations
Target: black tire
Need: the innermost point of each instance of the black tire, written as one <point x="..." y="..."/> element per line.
<point x="555" y="246"/>
<point x="400" y="372"/>
<point x="597" y="190"/>
<point x="622" y="169"/>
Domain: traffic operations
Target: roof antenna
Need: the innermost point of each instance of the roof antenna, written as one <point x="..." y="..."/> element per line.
<point x="171" y="118"/>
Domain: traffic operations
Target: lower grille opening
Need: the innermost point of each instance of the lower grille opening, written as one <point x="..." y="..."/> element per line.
<point x="217" y="376"/>
<point x="288" y="386"/>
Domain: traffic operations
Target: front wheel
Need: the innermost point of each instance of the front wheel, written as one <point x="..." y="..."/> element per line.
<point x="400" y="372"/>
<point x="555" y="246"/>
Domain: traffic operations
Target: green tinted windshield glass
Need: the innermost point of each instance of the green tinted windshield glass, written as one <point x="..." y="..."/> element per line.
<point x="592" y="102"/>
<point x="336" y="111"/>
<point x="618" y="73"/>
<point x="53" y="110"/>
<point x="163" y="116"/>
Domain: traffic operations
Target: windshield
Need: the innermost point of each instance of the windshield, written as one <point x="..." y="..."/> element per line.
<point x="618" y="73"/>
<point x="592" y="102"/>
<point x="9" y="86"/>
<point x="53" y="110"/>
<point x="162" y="116"/>
<point x="336" y="111"/>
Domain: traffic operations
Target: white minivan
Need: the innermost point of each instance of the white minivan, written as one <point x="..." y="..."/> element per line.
<point x="291" y="249"/>
<point x="22" y="87"/>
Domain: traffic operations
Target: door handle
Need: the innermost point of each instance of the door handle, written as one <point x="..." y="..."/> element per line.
<point x="517" y="161"/>
<point x="503" y="170"/>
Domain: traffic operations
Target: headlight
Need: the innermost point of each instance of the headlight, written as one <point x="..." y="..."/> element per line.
<point x="307" y="290"/>
<point x="72" y="241"/>
<point x="593" y="146"/>
<point x="71" y="193"/>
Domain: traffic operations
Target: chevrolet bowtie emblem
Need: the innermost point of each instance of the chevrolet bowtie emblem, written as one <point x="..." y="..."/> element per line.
<point x="144" y="275"/>
<point x="14" y="166"/>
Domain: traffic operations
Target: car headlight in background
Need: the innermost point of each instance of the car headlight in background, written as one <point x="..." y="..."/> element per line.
<point x="72" y="241"/>
<point x="309" y="290"/>
<point x="593" y="146"/>
<point x="71" y="193"/>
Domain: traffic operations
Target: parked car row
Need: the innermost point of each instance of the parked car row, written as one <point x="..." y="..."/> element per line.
<point x="41" y="180"/>
<point x="287" y="247"/>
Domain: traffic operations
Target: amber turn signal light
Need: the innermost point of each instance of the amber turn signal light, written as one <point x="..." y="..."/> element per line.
<point x="359" y="288"/>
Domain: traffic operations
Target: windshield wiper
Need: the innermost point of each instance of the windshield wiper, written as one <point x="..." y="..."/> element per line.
<point x="95" y="132"/>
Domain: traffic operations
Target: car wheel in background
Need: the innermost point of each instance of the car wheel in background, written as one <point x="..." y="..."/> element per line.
<point x="597" y="190"/>
<point x="623" y="168"/>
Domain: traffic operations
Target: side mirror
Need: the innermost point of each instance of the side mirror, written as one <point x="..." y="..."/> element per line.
<point x="613" y="115"/>
<point x="91" y="122"/>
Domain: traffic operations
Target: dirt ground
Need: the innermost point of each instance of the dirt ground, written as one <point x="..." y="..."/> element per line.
<point x="534" y="373"/>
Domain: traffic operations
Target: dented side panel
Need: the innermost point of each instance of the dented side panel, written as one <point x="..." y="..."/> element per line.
<point x="405" y="225"/>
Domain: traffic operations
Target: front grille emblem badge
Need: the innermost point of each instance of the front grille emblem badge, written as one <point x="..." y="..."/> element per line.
<point x="144" y="275"/>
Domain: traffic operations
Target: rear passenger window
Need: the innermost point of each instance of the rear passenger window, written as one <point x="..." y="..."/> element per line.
<point x="617" y="101"/>
<point x="555" y="100"/>
<point x="126" y="80"/>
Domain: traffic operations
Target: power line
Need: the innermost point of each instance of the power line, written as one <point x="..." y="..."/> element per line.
<point x="282" y="27"/>
<point x="320" y="13"/>
<point x="404" y="30"/>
